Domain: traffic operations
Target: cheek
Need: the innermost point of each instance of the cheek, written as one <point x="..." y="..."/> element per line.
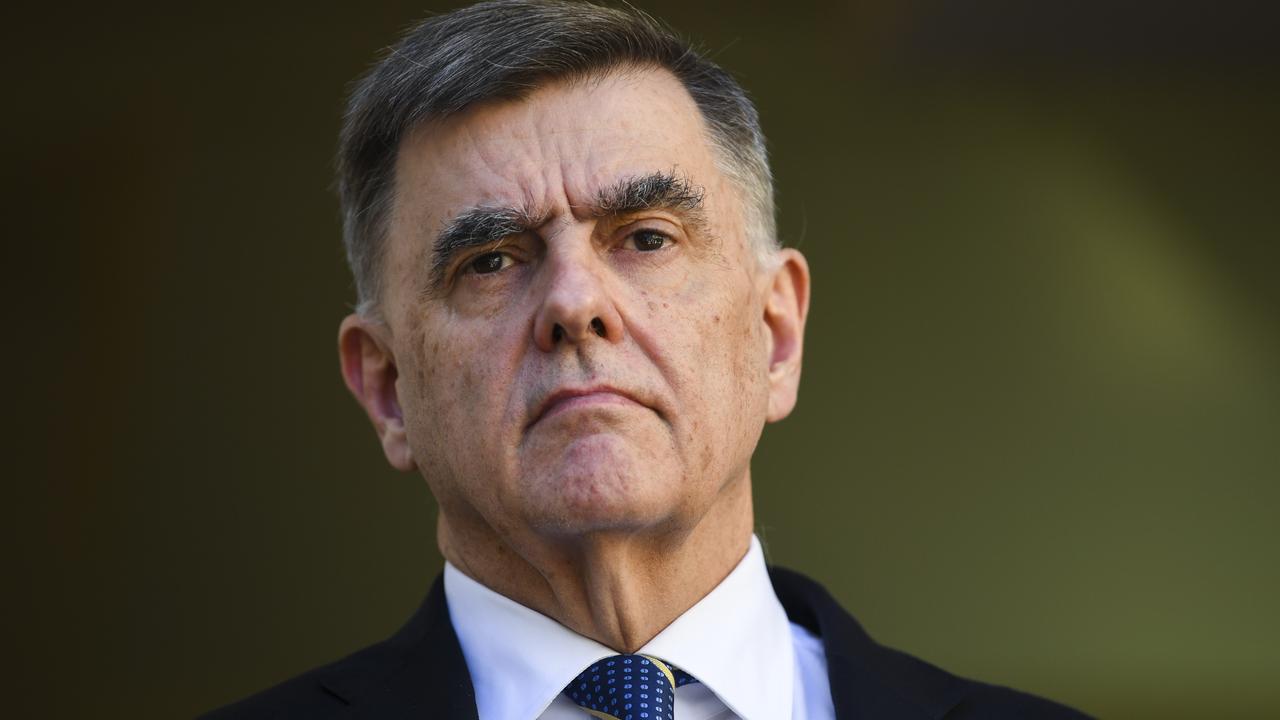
<point x="451" y="376"/>
<point x="724" y="377"/>
<point x="422" y="371"/>
<point x="746" y="388"/>
<point x="744" y="372"/>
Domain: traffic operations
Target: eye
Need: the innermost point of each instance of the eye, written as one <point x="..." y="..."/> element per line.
<point x="490" y="262"/>
<point x="648" y="240"/>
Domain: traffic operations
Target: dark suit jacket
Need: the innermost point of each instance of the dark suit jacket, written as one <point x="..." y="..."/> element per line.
<point x="420" y="673"/>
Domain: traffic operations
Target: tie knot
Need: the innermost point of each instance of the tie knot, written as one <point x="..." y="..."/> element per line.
<point x="629" y="687"/>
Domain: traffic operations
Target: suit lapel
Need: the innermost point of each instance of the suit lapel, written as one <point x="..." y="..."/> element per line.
<point x="421" y="672"/>
<point x="418" y="672"/>
<point x="867" y="680"/>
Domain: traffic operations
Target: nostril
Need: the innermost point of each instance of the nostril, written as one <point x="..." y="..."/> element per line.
<point x="557" y="333"/>
<point x="598" y="326"/>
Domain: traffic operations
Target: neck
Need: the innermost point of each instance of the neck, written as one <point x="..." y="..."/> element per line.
<point x="618" y="588"/>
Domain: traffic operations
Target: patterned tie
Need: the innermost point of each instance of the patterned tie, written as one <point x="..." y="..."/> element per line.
<point x="629" y="687"/>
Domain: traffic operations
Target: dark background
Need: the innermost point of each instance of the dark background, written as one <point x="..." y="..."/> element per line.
<point x="1038" y="440"/>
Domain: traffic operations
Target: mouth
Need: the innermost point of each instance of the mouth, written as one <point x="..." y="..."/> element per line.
<point x="571" y="399"/>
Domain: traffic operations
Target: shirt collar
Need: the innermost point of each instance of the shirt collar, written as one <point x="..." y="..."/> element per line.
<point x="736" y="641"/>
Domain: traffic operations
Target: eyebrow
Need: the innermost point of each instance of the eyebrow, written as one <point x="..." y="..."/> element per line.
<point x="658" y="190"/>
<point x="486" y="224"/>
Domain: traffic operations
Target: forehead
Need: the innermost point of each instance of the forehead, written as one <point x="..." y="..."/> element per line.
<point x="555" y="149"/>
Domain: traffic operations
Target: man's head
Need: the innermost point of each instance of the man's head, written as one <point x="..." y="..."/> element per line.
<point x="503" y="50"/>
<point x="580" y="320"/>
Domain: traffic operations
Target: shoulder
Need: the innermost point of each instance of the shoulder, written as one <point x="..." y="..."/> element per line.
<point x="302" y="696"/>
<point x="871" y="680"/>
<point x="981" y="701"/>
<point x="322" y="692"/>
<point x="418" y="668"/>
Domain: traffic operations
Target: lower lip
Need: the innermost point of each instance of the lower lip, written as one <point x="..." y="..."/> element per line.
<point x="585" y="402"/>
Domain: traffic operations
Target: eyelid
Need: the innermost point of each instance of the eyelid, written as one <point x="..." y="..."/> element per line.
<point x="505" y="246"/>
<point x="629" y="240"/>
<point x="465" y="263"/>
<point x="672" y="235"/>
<point x="662" y="226"/>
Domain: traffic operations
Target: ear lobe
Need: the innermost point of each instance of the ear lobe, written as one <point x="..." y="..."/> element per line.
<point x="785" y="310"/>
<point x="369" y="370"/>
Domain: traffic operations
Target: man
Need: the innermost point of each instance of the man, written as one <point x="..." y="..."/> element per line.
<point x="574" y="321"/>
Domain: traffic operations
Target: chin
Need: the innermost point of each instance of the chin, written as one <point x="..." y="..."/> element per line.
<point x="604" y="482"/>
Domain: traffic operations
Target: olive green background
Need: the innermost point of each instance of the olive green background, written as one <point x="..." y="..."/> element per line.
<point x="1038" y="438"/>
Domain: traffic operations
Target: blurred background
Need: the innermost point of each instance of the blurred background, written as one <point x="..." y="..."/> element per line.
<point x="1038" y="440"/>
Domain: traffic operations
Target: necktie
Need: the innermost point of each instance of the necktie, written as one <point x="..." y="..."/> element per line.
<point x="629" y="687"/>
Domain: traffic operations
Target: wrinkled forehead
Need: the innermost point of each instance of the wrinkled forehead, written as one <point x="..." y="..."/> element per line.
<point x="556" y="150"/>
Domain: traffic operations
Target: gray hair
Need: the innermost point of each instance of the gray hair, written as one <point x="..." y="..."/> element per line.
<point x="505" y="49"/>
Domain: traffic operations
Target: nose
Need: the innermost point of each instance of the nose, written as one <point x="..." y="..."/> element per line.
<point x="577" y="305"/>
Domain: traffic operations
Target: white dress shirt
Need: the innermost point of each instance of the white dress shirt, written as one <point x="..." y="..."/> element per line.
<point x="750" y="661"/>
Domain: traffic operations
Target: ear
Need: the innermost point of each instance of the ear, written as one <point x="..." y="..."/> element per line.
<point x="786" y="306"/>
<point x="369" y="369"/>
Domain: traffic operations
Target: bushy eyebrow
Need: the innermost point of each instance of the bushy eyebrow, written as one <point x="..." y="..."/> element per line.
<point x="485" y="225"/>
<point x="477" y="227"/>
<point x="658" y="190"/>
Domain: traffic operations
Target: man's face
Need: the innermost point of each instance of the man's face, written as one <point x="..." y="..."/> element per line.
<point x="577" y="320"/>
